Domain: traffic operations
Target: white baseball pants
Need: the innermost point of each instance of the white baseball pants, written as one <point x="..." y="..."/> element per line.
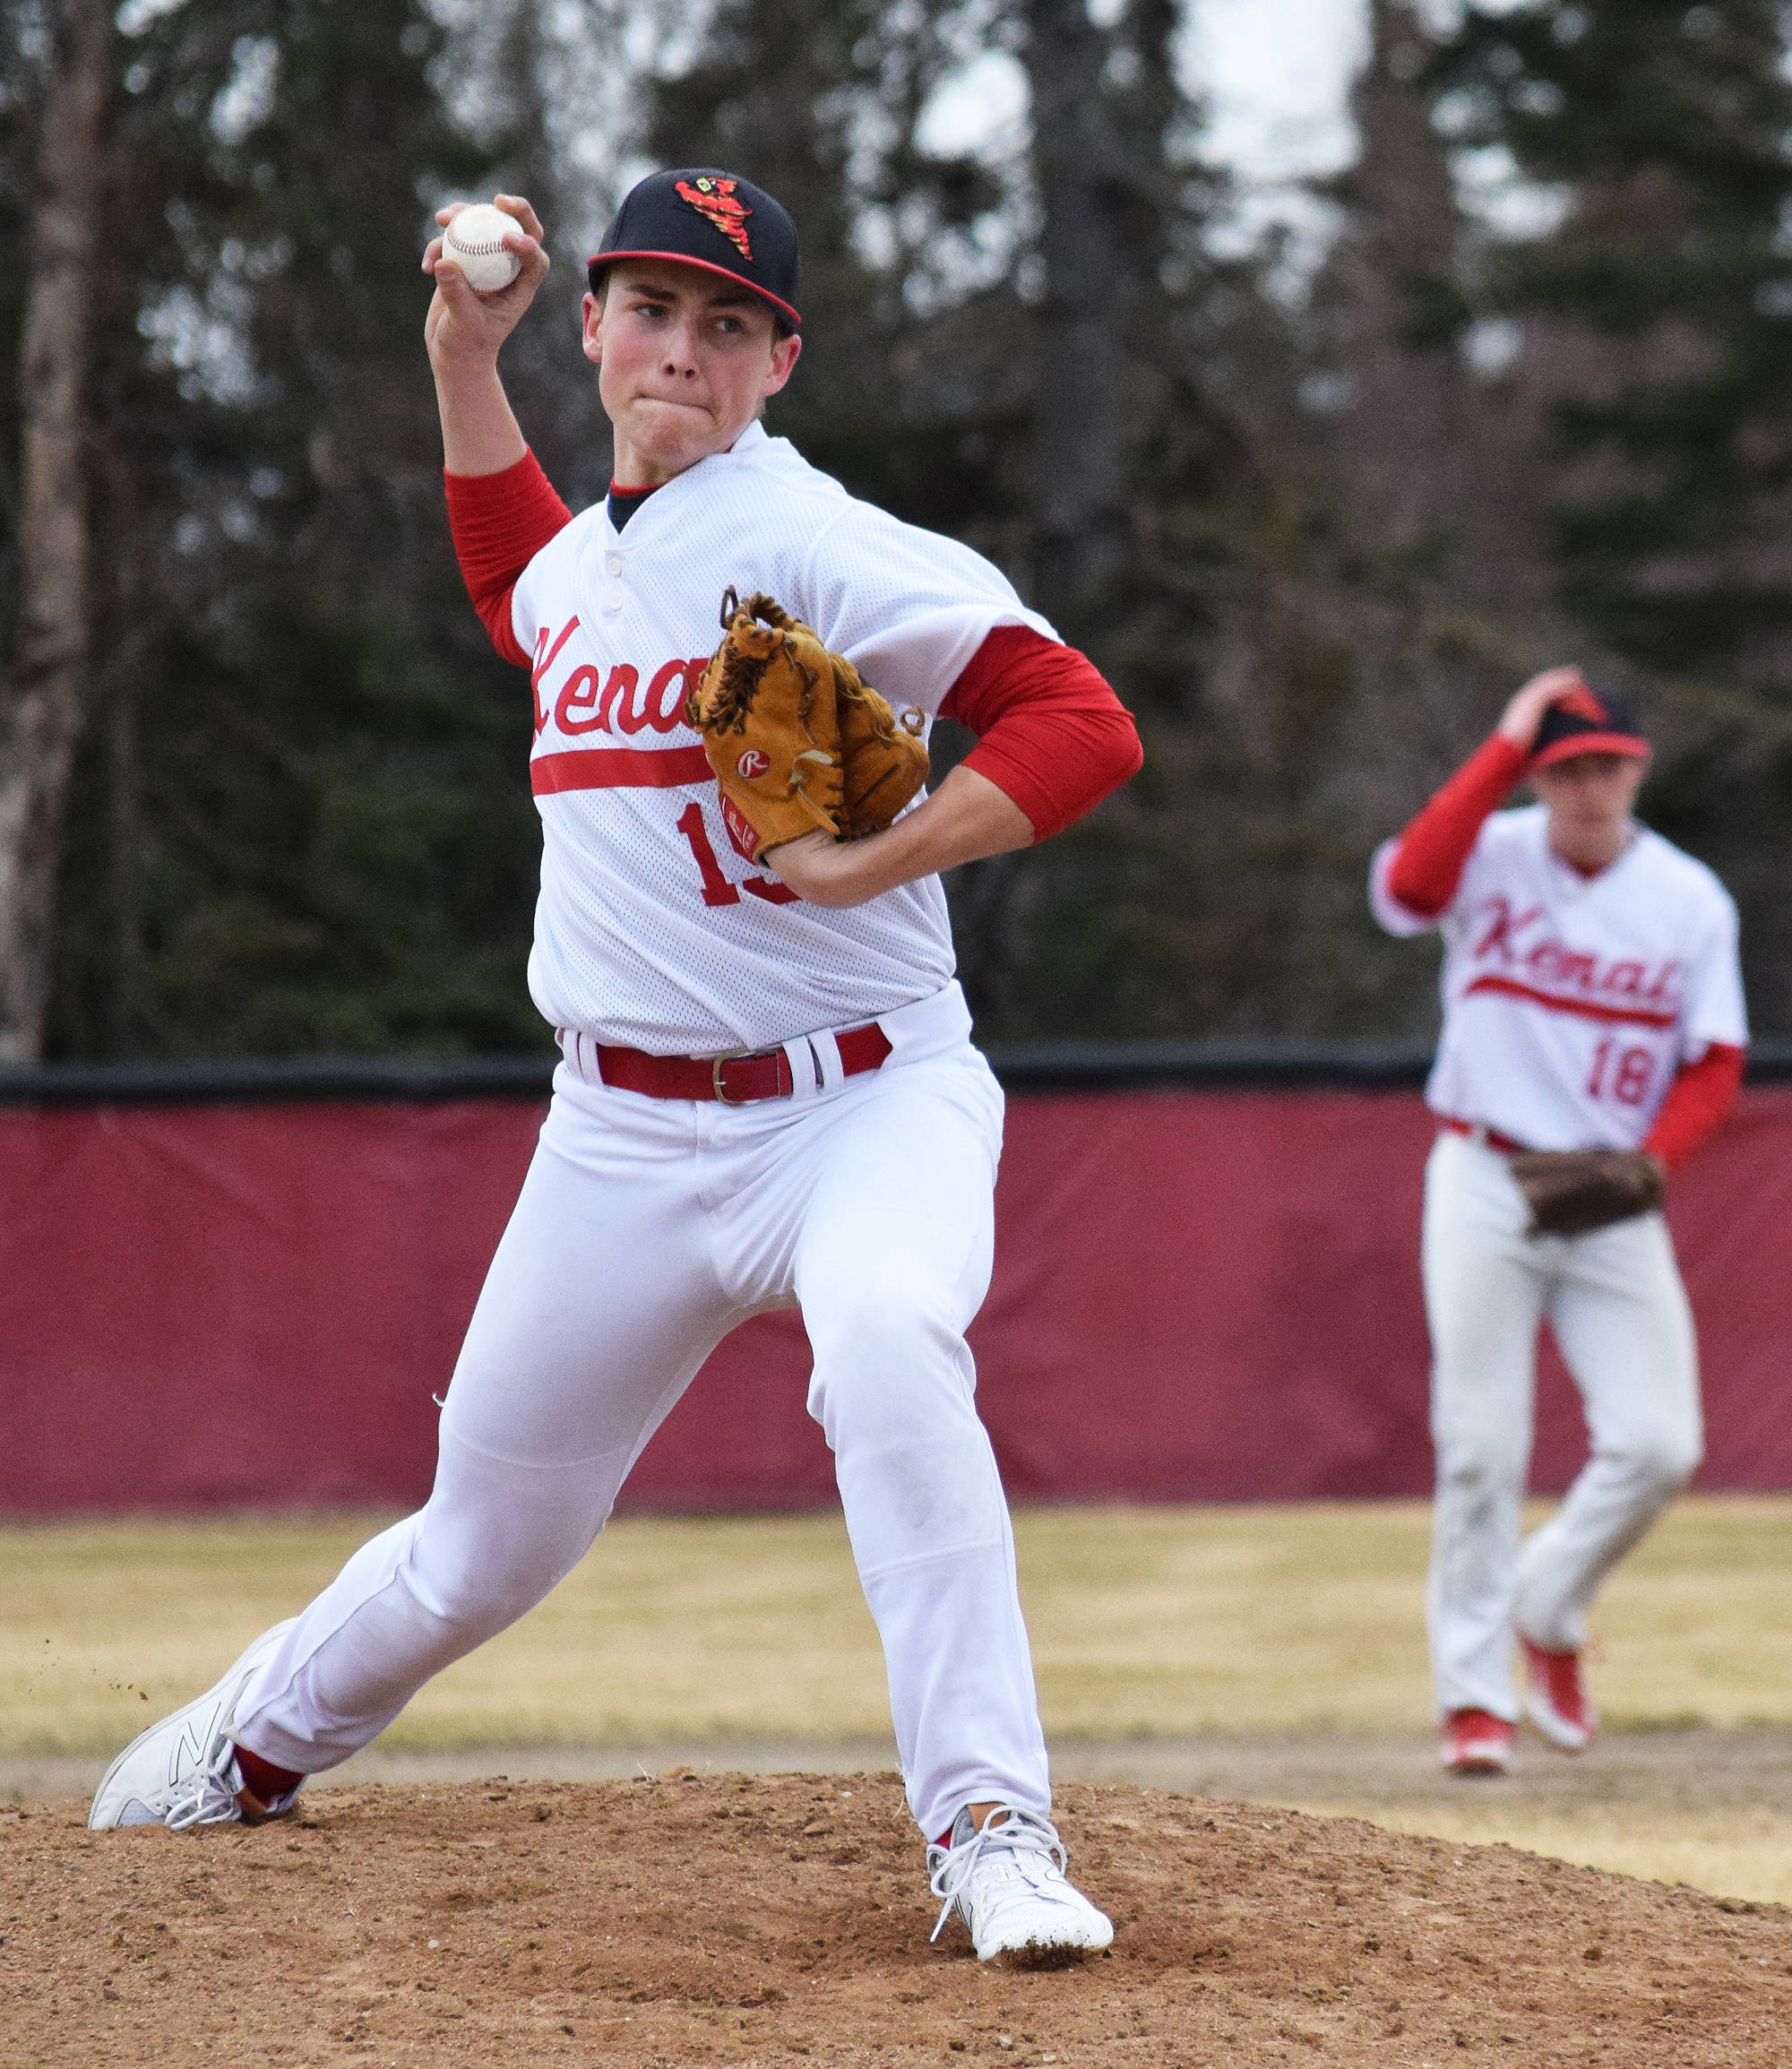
<point x="1620" y="1316"/>
<point x="647" y="1229"/>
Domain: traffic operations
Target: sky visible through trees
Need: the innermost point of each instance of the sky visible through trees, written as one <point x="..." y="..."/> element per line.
<point x="1480" y="369"/>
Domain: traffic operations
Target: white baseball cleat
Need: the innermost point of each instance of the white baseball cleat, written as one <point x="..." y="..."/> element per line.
<point x="1007" y="1882"/>
<point x="183" y="1771"/>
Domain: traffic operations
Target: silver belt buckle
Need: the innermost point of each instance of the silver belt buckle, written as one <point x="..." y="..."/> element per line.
<point x="717" y="1063"/>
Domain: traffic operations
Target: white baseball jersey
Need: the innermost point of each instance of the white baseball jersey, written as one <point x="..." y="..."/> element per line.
<point x="651" y="930"/>
<point x="1568" y="1003"/>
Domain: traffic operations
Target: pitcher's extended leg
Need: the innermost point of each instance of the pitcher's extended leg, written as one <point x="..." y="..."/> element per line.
<point x="598" y="1308"/>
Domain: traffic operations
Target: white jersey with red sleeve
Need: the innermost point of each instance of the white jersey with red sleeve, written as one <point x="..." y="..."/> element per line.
<point x="1570" y="1002"/>
<point x="651" y="930"/>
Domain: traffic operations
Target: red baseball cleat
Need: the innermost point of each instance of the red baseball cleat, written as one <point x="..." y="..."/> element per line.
<point x="1476" y="1742"/>
<point x="1555" y="1698"/>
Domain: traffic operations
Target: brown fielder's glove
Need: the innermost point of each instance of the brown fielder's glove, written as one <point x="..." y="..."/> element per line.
<point x="1571" y="1191"/>
<point x="799" y="744"/>
<point x="885" y="757"/>
<point x="766" y="708"/>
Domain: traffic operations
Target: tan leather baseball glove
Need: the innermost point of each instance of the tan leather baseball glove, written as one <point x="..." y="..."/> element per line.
<point x="885" y="756"/>
<point x="767" y="711"/>
<point x="1571" y="1191"/>
<point x="798" y="743"/>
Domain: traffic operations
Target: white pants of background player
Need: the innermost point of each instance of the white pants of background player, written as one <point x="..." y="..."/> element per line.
<point x="1614" y="1300"/>
<point x="646" y="1230"/>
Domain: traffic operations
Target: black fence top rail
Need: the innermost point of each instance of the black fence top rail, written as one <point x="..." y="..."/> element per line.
<point x="1027" y="1068"/>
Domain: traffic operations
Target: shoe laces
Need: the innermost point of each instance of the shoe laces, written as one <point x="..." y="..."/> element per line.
<point x="209" y="1797"/>
<point x="1026" y="1838"/>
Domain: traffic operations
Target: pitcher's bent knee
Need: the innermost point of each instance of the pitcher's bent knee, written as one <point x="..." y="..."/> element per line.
<point x="885" y="1372"/>
<point x="892" y="1320"/>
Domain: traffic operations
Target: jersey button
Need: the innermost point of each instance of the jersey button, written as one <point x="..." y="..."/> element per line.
<point x="613" y="601"/>
<point x="616" y="564"/>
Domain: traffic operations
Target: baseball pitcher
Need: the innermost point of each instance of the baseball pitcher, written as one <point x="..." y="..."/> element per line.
<point x="767" y="1095"/>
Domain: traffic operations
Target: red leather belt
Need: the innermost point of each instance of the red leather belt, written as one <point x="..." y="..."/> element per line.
<point x="736" y="1080"/>
<point x="1477" y="1131"/>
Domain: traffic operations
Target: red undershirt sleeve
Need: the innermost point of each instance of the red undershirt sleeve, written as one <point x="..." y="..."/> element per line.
<point x="1050" y="731"/>
<point x="500" y="523"/>
<point x="1700" y="1097"/>
<point x="1428" y="863"/>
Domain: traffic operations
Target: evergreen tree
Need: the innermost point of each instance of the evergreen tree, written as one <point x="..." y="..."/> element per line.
<point x="1664" y="127"/>
<point x="1660" y="308"/>
<point x="1220" y="896"/>
<point x="303" y="819"/>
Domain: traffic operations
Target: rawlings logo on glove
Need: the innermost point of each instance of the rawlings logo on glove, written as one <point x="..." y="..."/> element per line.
<point x="799" y="744"/>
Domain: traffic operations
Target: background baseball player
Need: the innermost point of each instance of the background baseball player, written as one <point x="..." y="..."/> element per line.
<point x="1592" y="1005"/>
<point x="768" y="1094"/>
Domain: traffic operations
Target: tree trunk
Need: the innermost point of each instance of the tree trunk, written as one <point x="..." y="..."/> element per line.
<point x="1401" y="432"/>
<point x="1079" y="459"/>
<point x="1427" y="451"/>
<point x="43" y="694"/>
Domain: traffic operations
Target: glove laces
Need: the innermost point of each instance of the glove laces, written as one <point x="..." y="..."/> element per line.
<point x="1033" y="1842"/>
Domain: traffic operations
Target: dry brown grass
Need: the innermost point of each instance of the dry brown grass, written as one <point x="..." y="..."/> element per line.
<point x="1147" y="1622"/>
<point x="1731" y="1853"/>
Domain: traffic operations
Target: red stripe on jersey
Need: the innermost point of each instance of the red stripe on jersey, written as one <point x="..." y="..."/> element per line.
<point x="1587" y="1008"/>
<point x="619" y="769"/>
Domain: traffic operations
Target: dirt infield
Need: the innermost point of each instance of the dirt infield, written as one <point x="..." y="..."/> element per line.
<point x="1712" y="1809"/>
<point x="748" y="1920"/>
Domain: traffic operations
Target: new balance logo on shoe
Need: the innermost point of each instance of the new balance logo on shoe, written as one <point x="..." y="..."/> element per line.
<point x="183" y="1771"/>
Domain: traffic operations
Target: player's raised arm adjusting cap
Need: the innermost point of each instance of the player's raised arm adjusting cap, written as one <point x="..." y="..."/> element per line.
<point x="1585" y="723"/>
<point x="713" y="220"/>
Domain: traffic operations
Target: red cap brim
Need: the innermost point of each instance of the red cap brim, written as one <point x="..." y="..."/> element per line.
<point x="703" y="266"/>
<point x="1574" y="744"/>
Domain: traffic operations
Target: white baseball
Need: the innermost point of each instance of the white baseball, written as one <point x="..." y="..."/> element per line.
<point x="474" y="240"/>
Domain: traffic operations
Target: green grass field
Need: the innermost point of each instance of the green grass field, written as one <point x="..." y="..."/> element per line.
<point x="1147" y="1622"/>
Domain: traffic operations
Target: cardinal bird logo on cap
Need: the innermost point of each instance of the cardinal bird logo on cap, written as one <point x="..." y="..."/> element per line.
<point x="715" y="201"/>
<point x="1583" y="705"/>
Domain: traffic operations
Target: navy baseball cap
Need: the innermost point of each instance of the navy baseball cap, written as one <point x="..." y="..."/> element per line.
<point x="1585" y="722"/>
<point x="714" y="219"/>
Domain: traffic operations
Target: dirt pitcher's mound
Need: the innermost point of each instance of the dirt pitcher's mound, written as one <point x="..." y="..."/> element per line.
<point x="741" y="1920"/>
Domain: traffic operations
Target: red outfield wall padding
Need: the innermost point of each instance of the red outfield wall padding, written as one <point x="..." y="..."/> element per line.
<point x="1198" y="1295"/>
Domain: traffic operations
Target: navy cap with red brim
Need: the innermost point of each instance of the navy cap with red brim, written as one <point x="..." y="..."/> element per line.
<point x="712" y="220"/>
<point x="1585" y="722"/>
